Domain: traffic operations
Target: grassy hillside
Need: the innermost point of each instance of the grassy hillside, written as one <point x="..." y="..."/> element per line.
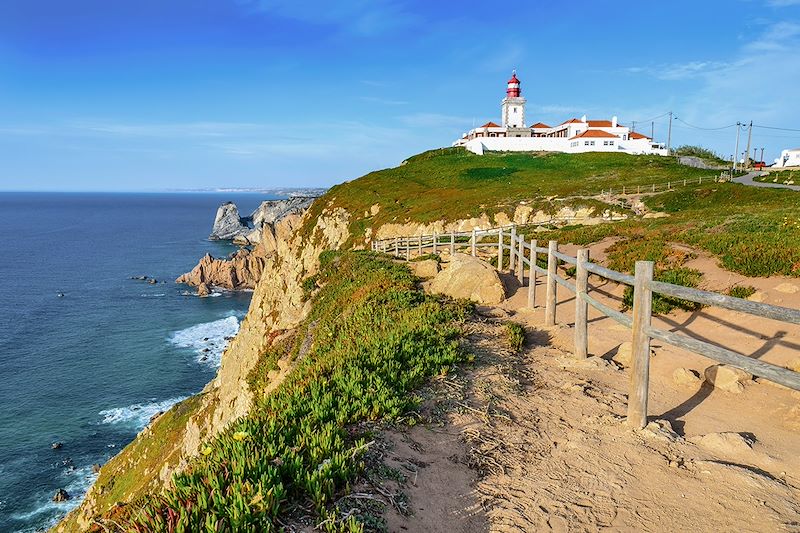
<point x="375" y="337"/>
<point x="452" y="183"/>
<point x="753" y="231"/>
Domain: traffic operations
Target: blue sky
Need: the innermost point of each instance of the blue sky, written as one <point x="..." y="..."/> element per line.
<point x="155" y="94"/>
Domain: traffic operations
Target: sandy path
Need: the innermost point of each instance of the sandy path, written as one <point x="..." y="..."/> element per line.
<point x="545" y="438"/>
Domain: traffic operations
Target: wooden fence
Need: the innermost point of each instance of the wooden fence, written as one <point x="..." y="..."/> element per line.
<point x="522" y="254"/>
<point x="659" y="187"/>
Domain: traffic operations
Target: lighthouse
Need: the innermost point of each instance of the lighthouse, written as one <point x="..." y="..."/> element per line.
<point x="513" y="105"/>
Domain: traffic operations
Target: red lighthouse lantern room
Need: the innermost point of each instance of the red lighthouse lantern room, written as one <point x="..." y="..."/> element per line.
<point x="513" y="86"/>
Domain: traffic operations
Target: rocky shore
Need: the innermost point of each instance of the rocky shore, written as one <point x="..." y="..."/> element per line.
<point x="242" y="269"/>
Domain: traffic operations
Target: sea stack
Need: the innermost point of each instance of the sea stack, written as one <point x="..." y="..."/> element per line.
<point x="228" y="224"/>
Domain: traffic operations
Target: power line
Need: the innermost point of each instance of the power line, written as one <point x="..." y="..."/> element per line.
<point x="774" y="128"/>
<point x="707" y="129"/>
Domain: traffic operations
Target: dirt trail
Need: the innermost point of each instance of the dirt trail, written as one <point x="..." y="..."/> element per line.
<point x="537" y="440"/>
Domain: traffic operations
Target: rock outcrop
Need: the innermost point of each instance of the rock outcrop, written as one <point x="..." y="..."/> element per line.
<point x="471" y="278"/>
<point x="230" y="225"/>
<point x="240" y="271"/>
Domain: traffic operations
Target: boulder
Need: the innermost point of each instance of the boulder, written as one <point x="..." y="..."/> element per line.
<point x="61" y="496"/>
<point x="96" y="468"/>
<point x="424" y="269"/>
<point x="623" y="355"/>
<point x="228" y="224"/>
<point x="57" y="445"/>
<point x="471" y="278"/>
<point x="686" y="377"/>
<point x="727" y="378"/>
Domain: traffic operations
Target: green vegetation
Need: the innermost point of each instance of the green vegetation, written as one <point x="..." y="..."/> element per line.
<point x="742" y="291"/>
<point x="453" y="184"/>
<point x="134" y="472"/>
<point x="784" y="177"/>
<point x="515" y="335"/>
<point x="753" y="231"/>
<point x="376" y="337"/>
<point x="709" y="156"/>
<point x="688" y="277"/>
<point x="425" y="257"/>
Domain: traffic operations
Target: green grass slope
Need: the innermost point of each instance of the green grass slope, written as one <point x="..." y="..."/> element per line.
<point x="376" y="338"/>
<point x="452" y="184"/>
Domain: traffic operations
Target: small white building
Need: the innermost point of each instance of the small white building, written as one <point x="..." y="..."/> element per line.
<point x="572" y="136"/>
<point x="788" y="158"/>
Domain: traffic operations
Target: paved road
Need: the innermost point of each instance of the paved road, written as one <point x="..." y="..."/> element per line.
<point x="747" y="179"/>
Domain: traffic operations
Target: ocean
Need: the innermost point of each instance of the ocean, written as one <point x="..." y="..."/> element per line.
<point x="89" y="368"/>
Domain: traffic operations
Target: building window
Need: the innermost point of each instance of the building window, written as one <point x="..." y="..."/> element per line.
<point x="591" y="143"/>
<point x="611" y="143"/>
<point x="515" y="110"/>
<point x="586" y="143"/>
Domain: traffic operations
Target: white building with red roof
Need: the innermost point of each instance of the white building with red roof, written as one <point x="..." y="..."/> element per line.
<point x="572" y="136"/>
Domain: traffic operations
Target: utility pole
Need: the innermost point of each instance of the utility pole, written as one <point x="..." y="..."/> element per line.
<point x="652" y="130"/>
<point x="749" y="137"/>
<point x="633" y="126"/>
<point x="669" y="134"/>
<point x="736" y="150"/>
<point x="762" y="154"/>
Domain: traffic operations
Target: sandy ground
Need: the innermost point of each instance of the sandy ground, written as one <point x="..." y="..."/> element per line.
<point x="536" y="441"/>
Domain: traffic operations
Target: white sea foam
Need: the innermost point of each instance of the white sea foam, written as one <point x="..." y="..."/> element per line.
<point x="77" y="483"/>
<point x="208" y="340"/>
<point x="137" y="415"/>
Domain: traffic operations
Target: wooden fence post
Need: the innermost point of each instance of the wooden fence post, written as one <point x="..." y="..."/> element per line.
<point x="552" y="272"/>
<point x="640" y="345"/>
<point x="512" y="249"/>
<point x="452" y="242"/>
<point x="419" y="245"/>
<point x="435" y="241"/>
<point x="638" y="189"/>
<point x="532" y="277"/>
<point x="581" y="306"/>
<point x="397" y="246"/>
<point x="684" y="183"/>
<point x="474" y="243"/>
<point x="500" y="249"/>
<point x="520" y="259"/>
<point x="654" y="187"/>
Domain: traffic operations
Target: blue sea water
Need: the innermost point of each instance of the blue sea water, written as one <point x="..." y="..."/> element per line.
<point x="90" y="368"/>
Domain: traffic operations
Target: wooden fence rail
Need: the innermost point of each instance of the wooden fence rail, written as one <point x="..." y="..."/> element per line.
<point x="522" y="255"/>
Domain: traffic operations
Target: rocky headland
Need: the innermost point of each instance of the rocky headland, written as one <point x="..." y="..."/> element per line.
<point x="242" y="269"/>
<point x="230" y="225"/>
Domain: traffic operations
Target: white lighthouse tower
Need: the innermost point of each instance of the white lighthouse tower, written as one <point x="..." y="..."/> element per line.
<point x="513" y="106"/>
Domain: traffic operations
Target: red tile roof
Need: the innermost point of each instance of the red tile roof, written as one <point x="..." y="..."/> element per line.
<point x="636" y="135"/>
<point x="595" y="134"/>
<point x="570" y="121"/>
<point x="540" y="125"/>
<point x="490" y="125"/>
<point x="599" y="123"/>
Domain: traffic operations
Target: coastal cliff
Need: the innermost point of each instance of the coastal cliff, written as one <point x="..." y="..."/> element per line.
<point x="282" y="313"/>
<point x="171" y="440"/>
<point x="230" y="225"/>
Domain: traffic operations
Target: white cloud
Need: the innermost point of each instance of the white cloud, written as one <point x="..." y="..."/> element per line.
<point x="382" y="101"/>
<point x="363" y="17"/>
<point x="434" y="120"/>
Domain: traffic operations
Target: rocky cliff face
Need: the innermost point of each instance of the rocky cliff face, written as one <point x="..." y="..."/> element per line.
<point x="230" y="225"/>
<point x="278" y="304"/>
<point x="239" y="272"/>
